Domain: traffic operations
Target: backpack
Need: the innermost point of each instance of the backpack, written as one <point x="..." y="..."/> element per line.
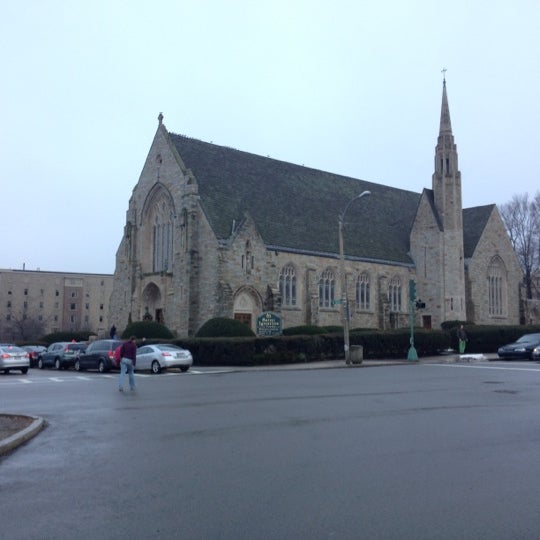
<point x="118" y="355"/>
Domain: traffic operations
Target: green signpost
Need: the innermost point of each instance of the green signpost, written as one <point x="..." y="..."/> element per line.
<point x="412" y="355"/>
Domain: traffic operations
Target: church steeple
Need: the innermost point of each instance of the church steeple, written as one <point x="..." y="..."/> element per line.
<point x="447" y="197"/>
<point x="446" y="125"/>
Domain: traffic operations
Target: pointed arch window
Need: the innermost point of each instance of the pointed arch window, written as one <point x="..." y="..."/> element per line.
<point x="497" y="288"/>
<point x="327" y="289"/>
<point x="287" y="285"/>
<point x="162" y="241"/>
<point x="394" y="294"/>
<point x="363" y="293"/>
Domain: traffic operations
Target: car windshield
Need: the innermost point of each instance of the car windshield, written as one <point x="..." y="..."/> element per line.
<point x="527" y="338"/>
<point x="168" y="348"/>
<point x="76" y="346"/>
<point x="12" y="349"/>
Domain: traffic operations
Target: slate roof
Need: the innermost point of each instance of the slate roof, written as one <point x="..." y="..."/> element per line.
<point x="474" y="222"/>
<point x="297" y="208"/>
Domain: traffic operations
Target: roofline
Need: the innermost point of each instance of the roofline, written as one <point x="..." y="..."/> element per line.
<point x="336" y="256"/>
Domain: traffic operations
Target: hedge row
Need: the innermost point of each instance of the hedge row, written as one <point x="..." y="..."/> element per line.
<point x="252" y="351"/>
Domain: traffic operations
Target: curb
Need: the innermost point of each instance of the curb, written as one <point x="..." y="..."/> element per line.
<point x="7" y="445"/>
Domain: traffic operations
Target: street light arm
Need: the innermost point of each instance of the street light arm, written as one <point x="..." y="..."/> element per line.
<point x="359" y="196"/>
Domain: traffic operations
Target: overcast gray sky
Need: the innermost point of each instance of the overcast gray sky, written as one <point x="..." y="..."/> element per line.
<point x="347" y="86"/>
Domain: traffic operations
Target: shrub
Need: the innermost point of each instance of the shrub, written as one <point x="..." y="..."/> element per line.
<point x="147" y="329"/>
<point x="305" y="330"/>
<point x="66" y="336"/>
<point x="224" y="327"/>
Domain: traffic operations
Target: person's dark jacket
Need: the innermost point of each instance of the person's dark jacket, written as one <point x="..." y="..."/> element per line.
<point x="129" y="350"/>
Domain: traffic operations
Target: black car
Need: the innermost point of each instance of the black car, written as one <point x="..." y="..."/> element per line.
<point x="522" y="348"/>
<point x="61" y="355"/>
<point x="34" y="352"/>
<point x="98" y="355"/>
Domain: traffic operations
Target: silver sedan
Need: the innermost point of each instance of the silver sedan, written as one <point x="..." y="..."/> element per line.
<point x="162" y="356"/>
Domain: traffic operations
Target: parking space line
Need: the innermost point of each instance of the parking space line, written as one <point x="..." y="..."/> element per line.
<point x="56" y="379"/>
<point x="26" y="381"/>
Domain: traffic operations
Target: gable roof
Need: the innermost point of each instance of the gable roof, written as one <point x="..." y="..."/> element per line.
<point x="297" y="208"/>
<point x="474" y="222"/>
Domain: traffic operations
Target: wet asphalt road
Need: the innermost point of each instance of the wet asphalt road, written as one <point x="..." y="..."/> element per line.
<point x="398" y="452"/>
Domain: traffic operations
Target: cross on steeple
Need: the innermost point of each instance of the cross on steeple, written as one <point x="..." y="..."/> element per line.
<point x="443" y="71"/>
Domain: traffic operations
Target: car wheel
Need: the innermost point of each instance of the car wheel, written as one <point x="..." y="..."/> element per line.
<point x="40" y="364"/>
<point x="156" y="368"/>
<point x="57" y="364"/>
<point x="183" y="369"/>
<point x="24" y="370"/>
<point x="6" y="371"/>
<point x="101" y="366"/>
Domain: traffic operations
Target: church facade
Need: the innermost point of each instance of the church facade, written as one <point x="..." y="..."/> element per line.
<point x="212" y="231"/>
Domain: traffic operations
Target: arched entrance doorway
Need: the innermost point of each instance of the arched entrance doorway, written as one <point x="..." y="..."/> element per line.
<point x="151" y="304"/>
<point x="247" y="306"/>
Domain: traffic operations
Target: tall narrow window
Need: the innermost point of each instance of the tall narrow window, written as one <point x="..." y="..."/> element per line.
<point x="363" y="300"/>
<point x="327" y="289"/>
<point x="394" y="294"/>
<point x="497" y="287"/>
<point x="287" y="285"/>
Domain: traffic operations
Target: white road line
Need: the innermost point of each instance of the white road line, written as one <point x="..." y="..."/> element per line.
<point x="26" y="381"/>
<point x="56" y="379"/>
<point x="82" y="378"/>
<point x="486" y="367"/>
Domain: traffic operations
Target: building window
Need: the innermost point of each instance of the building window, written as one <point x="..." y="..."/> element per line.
<point x="327" y="287"/>
<point x="363" y="295"/>
<point x="496" y="287"/>
<point x="9" y="303"/>
<point x="101" y="306"/>
<point x="86" y="319"/>
<point x="26" y="292"/>
<point x="287" y="285"/>
<point x="87" y="305"/>
<point x="72" y="318"/>
<point x="73" y="306"/>
<point x="56" y="305"/>
<point x="162" y="243"/>
<point x="25" y="304"/>
<point x="394" y="294"/>
<point x="101" y="318"/>
<point x="41" y="305"/>
<point x="73" y="294"/>
<point x="56" y="318"/>
<point x="57" y="293"/>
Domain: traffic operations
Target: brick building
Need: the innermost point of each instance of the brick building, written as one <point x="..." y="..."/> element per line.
<point x="213" y="231"/>
<point x="38" y="302"/>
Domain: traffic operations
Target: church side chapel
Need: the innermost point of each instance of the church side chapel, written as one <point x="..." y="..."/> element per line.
<point x="212" y="231"/>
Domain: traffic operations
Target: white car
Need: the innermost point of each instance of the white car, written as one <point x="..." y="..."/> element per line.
<point x="162" y="356"/>
<point x="13" y="357"/>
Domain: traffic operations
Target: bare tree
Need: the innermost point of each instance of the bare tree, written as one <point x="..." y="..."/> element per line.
<point x="521" y="217"/>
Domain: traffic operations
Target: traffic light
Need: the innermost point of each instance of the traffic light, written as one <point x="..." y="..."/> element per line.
<point x="412" y="290"/>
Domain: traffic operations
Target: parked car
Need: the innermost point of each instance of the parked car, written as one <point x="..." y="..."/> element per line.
<point x="522" y="348"/>
<point x="98" y="355"/>
<point x="162" y="356"/>
<point x="13" y="357"/>
<point x="34" y="353"/>
<point x="62" y="354"/>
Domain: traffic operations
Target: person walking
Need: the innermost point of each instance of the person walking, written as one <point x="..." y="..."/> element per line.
<point x="462" y="337"/>
<point x="127" y="364"/>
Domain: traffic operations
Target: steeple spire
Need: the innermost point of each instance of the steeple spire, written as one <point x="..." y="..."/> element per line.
<point x="446" y="125"/>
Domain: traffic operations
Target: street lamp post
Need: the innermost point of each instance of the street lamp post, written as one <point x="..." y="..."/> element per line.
<point x="344" y="299"/>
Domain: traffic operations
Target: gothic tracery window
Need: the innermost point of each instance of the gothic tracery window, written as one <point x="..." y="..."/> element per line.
<point x="394" y="294"/>
<point x="287" y="285"/>
<point x="363" y="293"/>
<point x="496" y="287"/>
<point x="327" y="286"/>
<point x="162" y="239"/>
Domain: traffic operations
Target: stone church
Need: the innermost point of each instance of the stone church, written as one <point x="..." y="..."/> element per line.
<point x="212" y="231"/>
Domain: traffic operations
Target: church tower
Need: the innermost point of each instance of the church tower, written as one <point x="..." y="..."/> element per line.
<point x="446" y="184"/>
